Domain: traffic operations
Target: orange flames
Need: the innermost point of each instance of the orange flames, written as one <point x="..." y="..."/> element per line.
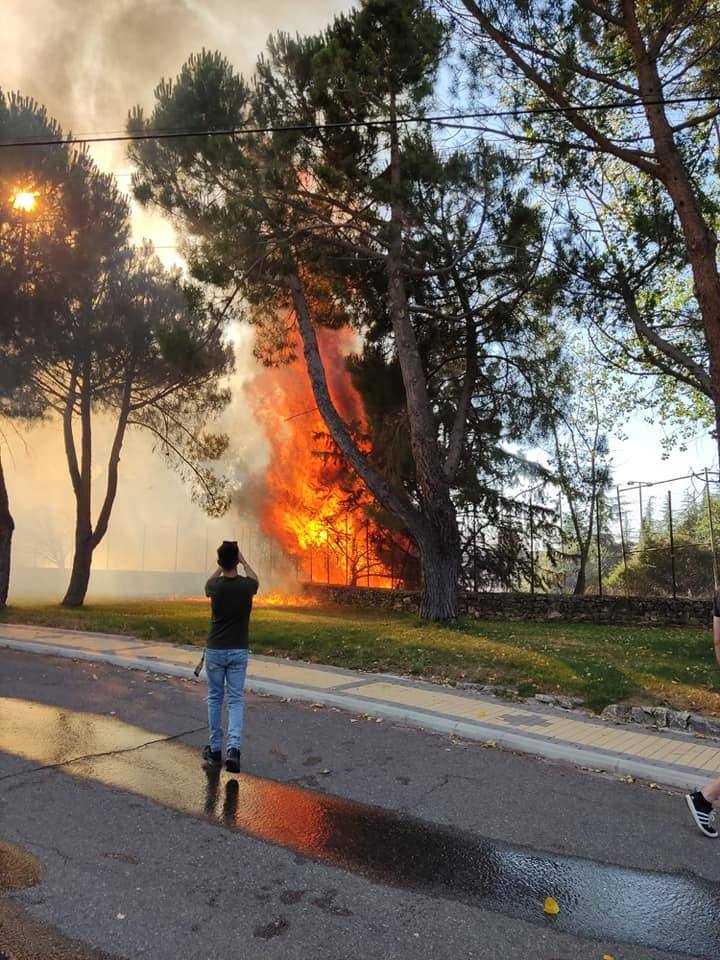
<point x="265" y="600"/>
<point x="315" y="507"/>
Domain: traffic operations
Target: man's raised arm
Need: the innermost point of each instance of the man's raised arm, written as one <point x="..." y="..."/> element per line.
<point x="249" y="572"/>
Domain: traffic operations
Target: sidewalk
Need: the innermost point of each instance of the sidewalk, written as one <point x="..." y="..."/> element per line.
<point x="664" y="757"/>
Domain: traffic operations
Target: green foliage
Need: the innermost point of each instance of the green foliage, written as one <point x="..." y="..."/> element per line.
<point x="579" y="459"/>
<point x="650" y="564"/>
<point x="86" y="319"/>
<point x="609" y="166"/>
<point x="649" y="569"/>
<point x="35" y="247"/>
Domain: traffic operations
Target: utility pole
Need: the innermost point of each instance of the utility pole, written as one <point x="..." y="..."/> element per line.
<point x="672" y="547"/>
<point x="532" y="551"/>
<point x="622" y="541"/>
<point x="712" y="528"/>
<point x="597" y="529"/>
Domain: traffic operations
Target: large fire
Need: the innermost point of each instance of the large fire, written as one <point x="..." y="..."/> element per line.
<point x="315" y="507"/>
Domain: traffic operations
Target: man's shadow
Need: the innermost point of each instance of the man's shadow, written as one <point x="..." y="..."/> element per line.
<point x="212" y="795"/>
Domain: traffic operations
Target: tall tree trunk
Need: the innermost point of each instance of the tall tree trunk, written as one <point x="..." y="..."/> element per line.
<point x="82" y="563"/>
<point x="439" y="543"/>
<point x="7" y="527"/>
<point x="700" y="238"/>
<point x="81" y="476"/>
<point x="440" y="561"/>
<point x="584" y="545"/>
<point x="87" y="539"/>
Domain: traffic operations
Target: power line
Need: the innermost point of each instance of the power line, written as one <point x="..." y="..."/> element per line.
<point x="183" y="133"/>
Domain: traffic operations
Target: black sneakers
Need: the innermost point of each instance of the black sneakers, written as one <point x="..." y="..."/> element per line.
<point x="703" y="813"/>
<point x="212" y="757"/>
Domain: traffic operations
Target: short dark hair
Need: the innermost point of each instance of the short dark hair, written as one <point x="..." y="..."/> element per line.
<point x="228" y="554"/>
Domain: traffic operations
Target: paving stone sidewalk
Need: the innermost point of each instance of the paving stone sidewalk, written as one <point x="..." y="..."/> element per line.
<point x="665" y="757"/>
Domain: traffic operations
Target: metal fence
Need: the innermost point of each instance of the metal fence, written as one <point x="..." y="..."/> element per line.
<point x="646" y="538"/>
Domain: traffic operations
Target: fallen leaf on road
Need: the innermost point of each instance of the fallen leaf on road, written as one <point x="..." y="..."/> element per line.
<point x="325" y="772"/>
<point x="121" y="916"/>
<point x="490" y="744"/>
<point x="318" y="706"/>
<point x="551" y="906"/>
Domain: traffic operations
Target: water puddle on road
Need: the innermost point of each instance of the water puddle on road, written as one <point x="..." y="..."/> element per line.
<point x="599" y="901"/>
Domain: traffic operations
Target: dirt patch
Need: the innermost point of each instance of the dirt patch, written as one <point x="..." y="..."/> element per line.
<point x="18" y="869"/>
<point x="21" y="937"/>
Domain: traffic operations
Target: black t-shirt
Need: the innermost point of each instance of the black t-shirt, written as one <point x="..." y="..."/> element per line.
<point x="231" y="601"/>
<point x="716" y="604"/>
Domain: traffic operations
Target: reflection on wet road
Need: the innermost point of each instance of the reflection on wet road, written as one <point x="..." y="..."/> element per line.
<point x="662" y="911"/>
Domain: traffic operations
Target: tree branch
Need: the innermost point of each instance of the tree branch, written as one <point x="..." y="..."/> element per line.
<point x="507" y="45"/>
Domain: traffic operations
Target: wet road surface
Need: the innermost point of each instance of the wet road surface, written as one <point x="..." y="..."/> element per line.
<point x="657" y="910"/>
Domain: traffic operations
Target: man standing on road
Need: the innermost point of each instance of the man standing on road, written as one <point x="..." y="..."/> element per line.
<point x="701" y="801"/>
<point x="226" y="653"/>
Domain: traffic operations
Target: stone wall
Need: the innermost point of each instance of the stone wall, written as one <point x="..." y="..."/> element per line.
<point x="540" y="606"/>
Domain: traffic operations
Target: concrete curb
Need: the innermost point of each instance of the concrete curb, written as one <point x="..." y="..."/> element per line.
<point x="593" y="759"/>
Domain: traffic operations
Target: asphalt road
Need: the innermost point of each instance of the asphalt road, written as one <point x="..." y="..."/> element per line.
<point x="135" y="878"/>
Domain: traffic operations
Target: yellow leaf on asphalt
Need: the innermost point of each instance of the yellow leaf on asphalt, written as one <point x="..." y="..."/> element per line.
<point x="551" y="907"/>
<point x="608" y="956"/>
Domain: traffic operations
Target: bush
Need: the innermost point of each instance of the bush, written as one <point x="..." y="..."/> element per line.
<point x="649" y="569"/>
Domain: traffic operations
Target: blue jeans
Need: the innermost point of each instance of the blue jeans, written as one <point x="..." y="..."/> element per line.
<point x="225" y="666"/>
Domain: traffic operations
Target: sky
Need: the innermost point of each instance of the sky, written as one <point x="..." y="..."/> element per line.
<point x="89" y="62"/>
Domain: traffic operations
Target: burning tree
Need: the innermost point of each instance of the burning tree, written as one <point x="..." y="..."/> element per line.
<point x="313" y="504"/>
<point x="345" y="216"/>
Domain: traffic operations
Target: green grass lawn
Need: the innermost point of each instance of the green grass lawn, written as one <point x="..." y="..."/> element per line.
<point x="672" y="665"/>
